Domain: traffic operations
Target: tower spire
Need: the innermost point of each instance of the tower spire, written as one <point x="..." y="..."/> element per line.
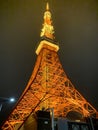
<point x="47" y="6"/>
<point x="47" y="29"/>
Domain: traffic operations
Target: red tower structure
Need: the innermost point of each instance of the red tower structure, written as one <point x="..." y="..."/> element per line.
<point x="49" y="86"/>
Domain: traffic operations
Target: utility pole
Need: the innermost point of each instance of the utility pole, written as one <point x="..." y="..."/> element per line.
<point x="52" y="117"/>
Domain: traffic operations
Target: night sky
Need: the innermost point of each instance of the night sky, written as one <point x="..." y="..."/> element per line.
<point x="76" y="29"/>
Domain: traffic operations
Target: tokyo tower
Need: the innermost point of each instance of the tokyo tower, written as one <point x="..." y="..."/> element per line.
<point x="48" y="86"/>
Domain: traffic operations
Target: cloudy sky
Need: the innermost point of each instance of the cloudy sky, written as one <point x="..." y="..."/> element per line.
<point x="76" y="29"/>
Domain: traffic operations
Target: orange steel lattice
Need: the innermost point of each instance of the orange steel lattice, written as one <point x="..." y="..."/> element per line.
<point x="48" y="87"/>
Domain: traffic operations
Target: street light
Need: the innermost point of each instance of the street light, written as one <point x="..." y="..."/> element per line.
<point x="12" y="100"/>
<point x="7" y="100"/>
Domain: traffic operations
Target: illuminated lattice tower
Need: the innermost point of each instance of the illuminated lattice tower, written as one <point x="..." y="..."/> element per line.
<point x="48" y="87"/>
